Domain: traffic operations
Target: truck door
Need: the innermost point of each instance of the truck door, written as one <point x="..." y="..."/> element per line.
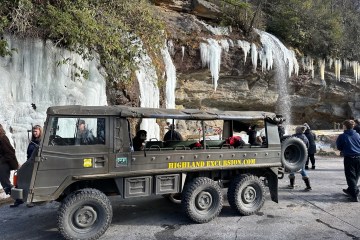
<point x="72" y="146"/>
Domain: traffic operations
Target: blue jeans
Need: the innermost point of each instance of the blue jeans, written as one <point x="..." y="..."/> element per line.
<point x="302" y="172"/>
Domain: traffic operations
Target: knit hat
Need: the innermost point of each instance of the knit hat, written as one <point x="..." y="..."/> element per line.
<point x="300" y="129"/>
<point x="306" y="126"/>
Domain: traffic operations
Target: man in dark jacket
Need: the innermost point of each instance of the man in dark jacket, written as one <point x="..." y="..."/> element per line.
<point x="349" y="145"/>
<point x="312" y="146"/>
<point x="172" y="134"/>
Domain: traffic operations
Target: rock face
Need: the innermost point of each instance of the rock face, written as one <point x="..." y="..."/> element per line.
<point x="318" y="102"/>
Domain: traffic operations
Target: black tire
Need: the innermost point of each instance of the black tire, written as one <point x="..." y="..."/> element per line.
<point x="84" y="214"/>
<point x="293" y="154"/>
<point x="202" y="200"/>
<point x="246" y="194"/>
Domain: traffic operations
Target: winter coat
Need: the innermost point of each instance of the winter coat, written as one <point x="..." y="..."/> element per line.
<point x="7" y="153"/>
<point x="303" y="138"/>
<point x="349" y="143"/>
<point x="311" y="137"/>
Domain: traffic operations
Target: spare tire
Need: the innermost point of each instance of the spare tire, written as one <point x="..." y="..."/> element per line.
<point x="293" y="154"/>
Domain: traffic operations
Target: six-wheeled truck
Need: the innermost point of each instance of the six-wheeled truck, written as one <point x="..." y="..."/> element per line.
<point x="82" y="173"/>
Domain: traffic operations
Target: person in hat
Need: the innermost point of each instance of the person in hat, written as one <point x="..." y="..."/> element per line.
<point x="299" y="133"/>
<point x="139" y="140"/>
<point x="312" y="147"/>
<point x="84" y="136"/>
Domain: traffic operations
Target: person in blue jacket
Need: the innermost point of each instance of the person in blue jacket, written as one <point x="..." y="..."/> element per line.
<point x="349" y="145"/>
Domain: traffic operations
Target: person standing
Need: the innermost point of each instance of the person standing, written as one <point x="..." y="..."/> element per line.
<point x="33" y="145"/>
<point x="299" y="133"/>
<point x="8" y="161"/>
<point x="349" y="145"/>
<point x="35" y="140"/>
<point x="312" y="147"/>
<point x="357" y="126"/>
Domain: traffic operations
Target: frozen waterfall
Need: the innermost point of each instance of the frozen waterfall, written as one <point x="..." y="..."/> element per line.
<point x="149" y="91"/>
<point x="285" y="64"/>
<point x="33" y="75"/>
<point x="170" y="72"/>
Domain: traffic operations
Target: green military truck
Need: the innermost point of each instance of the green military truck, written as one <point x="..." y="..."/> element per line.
<point x="82" y="174"/>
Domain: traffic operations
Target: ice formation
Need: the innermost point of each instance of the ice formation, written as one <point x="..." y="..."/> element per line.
<point x="254" y="56"/>
<point x="245" y="46"/>
<point x="338" y="67"/>
<point x="322" y="68"/>
<point x="211" y="57"/>
<point x="170" y="71"/>
<point x="149" y="91"/>
<point x="33" y="75"/>
<point x="182" y="52"/>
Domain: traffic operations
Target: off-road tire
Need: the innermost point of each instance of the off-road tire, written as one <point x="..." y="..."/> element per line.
<point x="202" y="199"/>
<point x="90" y="203"/>
<point x="293" y="154"/>
<point x="246" y="194"/>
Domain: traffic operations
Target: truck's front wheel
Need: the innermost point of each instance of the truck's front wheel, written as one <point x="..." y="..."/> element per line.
<point x="202" y="199"/>
<point x="84" y="214"/>
<point x="246" y="194"/>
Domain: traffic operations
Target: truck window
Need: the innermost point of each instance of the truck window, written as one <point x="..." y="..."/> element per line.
<point x="77" y="131"/>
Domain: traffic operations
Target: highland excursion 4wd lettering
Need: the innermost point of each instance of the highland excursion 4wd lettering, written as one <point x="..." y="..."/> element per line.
<point x="89" y="153"/>
<point x="216" y="163"/>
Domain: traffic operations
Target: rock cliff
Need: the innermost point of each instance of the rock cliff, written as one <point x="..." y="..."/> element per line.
<point x="313" y="100"/>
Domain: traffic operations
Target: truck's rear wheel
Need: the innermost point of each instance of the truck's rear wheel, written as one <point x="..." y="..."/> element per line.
<point x="84" y="214"/>
<point x="202" y="199"/>
<point x="246" y="194"/>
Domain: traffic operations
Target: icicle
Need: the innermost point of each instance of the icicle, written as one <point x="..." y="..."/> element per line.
<point x="204" y="52"/>
<point x="245" y="46"/>
<point x="224" y="45"/>
<point x="170" y="46"/>
<point x="211" y="56"/>
<point x="254" y="56"/>
<point x="322" y="68"/>
<point x="331" y="61"/>
<point x="356" y="68"/>
<point x="231" y="43"/>
<point x="170" y="78"/>
<point x="182" y="52"/>
<point x="337" y="69"/>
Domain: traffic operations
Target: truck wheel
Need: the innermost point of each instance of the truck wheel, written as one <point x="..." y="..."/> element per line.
<point x="84" y="214"/>
<point x="246" y="194"/>
<point x="293" y="154"/>
<point x="202" y="199"/>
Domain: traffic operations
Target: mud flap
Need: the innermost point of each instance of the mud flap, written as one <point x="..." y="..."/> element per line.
<point x="272" y="178"/>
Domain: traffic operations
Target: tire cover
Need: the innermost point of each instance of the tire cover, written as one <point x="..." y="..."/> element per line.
<point x="293" y="154"/>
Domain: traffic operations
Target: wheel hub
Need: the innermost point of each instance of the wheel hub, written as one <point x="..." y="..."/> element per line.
<point x="249" y="194"/>
<point x="204" y="200"/>
<point x="85" y="217"/>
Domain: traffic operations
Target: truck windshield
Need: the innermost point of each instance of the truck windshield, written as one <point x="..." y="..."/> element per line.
<point x="76" y="131"/>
